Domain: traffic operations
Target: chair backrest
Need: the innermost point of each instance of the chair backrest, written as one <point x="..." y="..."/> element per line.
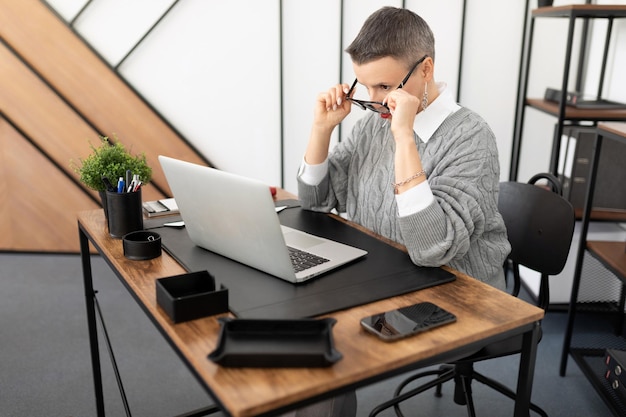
<point x="539" y="223"/>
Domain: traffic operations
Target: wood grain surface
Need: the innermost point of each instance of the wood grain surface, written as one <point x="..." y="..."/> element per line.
<point x="482" y="312"/>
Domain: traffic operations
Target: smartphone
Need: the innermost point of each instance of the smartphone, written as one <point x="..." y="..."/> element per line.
<point x="406" y="321"/>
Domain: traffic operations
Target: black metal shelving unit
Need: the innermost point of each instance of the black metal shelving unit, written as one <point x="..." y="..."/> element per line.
<point x="588" y="349"/>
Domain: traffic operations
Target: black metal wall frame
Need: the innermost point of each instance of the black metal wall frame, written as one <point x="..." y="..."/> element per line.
<point x="115" y="68"/>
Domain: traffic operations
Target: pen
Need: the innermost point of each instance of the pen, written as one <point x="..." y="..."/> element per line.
<point x="107" y="184"/>
<point x="132" y="186"/>
<point x="129" y="177"/>
<point x="120" y="185"/>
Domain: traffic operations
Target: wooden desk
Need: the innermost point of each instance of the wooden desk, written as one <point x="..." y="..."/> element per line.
<point x="484" y="315"/>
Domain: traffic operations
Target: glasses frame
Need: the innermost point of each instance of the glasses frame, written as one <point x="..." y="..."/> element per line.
<point x="371" y="105"/>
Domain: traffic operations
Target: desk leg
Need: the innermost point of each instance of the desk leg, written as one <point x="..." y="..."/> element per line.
<point x="91" y="321"/>
<point x="526" y="371"/>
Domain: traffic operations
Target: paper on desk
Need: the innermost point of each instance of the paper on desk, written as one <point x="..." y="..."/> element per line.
<point x="170" y="203"/>
<point x="174" y="224"/>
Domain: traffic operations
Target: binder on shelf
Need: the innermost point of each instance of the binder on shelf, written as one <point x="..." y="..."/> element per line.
<point x="577" y="145"/>
<point x="615" y="374"/>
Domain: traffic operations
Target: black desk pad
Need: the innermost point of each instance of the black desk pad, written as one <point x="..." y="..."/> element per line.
<point x="384" y="272"/>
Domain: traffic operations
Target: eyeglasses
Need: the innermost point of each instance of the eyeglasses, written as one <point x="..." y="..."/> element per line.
<point x="377" y="106"/>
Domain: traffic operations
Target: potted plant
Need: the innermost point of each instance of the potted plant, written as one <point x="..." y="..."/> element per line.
<point x="110" y="160"/>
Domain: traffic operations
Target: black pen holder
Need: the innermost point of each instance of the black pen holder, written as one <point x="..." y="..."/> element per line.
<point x="191" y="296"/>
<point x="125" y="213"/>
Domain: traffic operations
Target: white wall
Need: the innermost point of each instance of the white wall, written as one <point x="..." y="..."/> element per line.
<point x="213" y="69"/>
<point x="311" y="64"/>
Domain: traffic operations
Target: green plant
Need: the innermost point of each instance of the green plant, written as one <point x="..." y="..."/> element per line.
<point x="110" y="160"/>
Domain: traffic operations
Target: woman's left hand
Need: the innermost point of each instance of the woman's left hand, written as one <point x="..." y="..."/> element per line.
<point x="403" y="108"/>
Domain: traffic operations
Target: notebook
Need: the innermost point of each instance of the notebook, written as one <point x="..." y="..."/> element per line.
<point x="235" y="217"/>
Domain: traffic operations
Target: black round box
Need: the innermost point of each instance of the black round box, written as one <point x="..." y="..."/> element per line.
<point x="142" y="245"/>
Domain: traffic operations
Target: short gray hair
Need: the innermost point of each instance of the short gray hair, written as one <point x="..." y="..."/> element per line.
<point x="395" y="32"/>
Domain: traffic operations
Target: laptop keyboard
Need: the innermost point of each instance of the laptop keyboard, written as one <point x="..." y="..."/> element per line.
<point x="302" y="260"/>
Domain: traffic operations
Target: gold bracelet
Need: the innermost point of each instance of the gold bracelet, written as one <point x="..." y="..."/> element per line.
<point x="406" y="181"/>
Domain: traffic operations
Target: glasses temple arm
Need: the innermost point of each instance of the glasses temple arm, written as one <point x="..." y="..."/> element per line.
<point x="348" y="95"/>
<point x="411" y="72"/>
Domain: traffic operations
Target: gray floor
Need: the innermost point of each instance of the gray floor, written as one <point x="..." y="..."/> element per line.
<point x="45" y="368"/>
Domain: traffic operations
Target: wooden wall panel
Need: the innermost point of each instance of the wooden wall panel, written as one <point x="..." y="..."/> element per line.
<point x="39" y="202"/>
<point x="88" y="84"/>
<point x="45" y="118"/>
<point x="57" y="96"/>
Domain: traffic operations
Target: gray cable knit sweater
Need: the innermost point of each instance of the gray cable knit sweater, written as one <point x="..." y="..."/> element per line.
<point x="461" y="228"/>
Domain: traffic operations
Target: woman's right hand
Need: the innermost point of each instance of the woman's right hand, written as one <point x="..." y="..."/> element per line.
<point x="331" y="107"/>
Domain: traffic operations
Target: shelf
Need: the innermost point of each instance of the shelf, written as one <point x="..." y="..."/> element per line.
<point x="588" y="349"/>
<point x="569" y="113"/>
<point x="599" y="307"/>
<point x="611" y="254"/>
<point x="615" y="131"/>
<point x="581" y="10"/>
<point x="572" y="113"/>
<point x="592" y="365"/>
<point x="603" y="215"/>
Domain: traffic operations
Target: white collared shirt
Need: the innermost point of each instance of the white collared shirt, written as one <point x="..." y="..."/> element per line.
<point x="425" y="124"/>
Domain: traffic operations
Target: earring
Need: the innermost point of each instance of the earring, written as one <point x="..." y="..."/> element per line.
<point x="425" y="97"/>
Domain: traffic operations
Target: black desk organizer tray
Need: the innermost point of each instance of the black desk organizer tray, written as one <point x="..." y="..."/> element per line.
<point x="275" y="343"/>
<point x="385" y="272"/>
<point x="191" y="296"/>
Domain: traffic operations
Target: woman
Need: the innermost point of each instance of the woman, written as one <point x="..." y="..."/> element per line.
<point x="418" y="168"/>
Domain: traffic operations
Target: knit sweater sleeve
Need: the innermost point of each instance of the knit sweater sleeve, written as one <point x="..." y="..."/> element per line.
<point x="462" y="227"/>
<point x="332" y="192"/>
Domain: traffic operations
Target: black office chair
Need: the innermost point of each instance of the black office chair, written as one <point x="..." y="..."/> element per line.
<point x="540" y="225"/>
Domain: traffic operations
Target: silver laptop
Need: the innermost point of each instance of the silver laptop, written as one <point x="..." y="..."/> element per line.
<point x="236" y="217"/>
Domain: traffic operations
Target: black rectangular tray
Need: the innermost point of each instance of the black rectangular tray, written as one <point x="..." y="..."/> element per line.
<point x="191" y="296"/>
<point x="287" y="343"/>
